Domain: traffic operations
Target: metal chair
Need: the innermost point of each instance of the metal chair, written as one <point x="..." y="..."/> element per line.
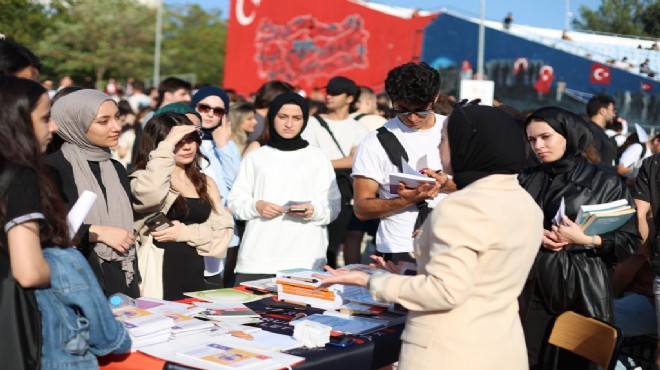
<point x="595" y="340"/>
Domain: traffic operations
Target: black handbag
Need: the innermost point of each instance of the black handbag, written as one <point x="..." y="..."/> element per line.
<point x="20" y="321"/>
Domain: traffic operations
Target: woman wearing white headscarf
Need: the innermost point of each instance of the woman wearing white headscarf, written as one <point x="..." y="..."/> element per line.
<point x="89" y="126"/>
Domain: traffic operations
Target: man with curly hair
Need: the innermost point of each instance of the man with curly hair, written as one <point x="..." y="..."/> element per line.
<point x="413" y="89"/>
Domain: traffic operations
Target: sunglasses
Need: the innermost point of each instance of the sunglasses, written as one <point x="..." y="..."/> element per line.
<point x="420" y="114"/>
<point x="217" y="111"/>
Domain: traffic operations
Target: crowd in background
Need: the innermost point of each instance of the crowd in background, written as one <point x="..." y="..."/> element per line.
<point x="200" y="188"/>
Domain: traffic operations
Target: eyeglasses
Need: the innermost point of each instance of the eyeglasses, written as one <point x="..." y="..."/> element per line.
<point x="420" y="114"/>
<point x="217" y="111"/>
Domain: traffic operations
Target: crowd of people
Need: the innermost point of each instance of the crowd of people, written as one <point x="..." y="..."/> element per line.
<point x="201" y="188"/>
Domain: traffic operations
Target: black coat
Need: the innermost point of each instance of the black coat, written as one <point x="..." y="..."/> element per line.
<point x="576" y="277"/>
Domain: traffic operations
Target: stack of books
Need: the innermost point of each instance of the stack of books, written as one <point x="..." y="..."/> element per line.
<point x="145" y="328"/>
<point x="300" y="286"/>
<point x="598" y="219"/>
<point x="235" y="313"/>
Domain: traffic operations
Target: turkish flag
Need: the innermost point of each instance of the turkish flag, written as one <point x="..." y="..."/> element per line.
<point x="647" y="86"/>
<point x="600" y="74"/>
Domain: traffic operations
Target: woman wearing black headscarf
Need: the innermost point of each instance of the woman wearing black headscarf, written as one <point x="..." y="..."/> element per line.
<point x="474" y="253"/>
<point x="287" y="192"/>
<point x="570" y="272"/>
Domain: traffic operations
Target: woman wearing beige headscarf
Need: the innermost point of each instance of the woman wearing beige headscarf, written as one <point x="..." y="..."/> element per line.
<point x="89" y="126"/>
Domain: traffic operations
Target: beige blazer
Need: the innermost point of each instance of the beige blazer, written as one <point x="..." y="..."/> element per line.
<point x="473" y="254"/>
<point x="152" y="193"/>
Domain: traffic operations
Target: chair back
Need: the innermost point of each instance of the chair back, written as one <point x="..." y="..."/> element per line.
<point x="595" y="340"/>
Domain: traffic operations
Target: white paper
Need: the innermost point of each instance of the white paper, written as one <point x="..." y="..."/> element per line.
<point x="406" y="168"/>
<point x="168" y="351"/>
<point x="559" y="217"/>
<point x="79" y="211"/>
<point x="423" y="162"/>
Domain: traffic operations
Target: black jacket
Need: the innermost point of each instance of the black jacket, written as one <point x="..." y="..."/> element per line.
<point x="647" y="189"/>
<point x="576" y="277"/>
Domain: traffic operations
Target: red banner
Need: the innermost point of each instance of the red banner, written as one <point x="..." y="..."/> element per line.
<point x="600" y="74"/>
<point x="306" y="43"/>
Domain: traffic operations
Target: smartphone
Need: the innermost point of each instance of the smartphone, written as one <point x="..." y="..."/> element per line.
<point x="295" y="209"/>
<point x="158" y="222"/>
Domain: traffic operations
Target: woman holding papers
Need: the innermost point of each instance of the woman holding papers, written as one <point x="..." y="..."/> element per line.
<point x="167" y="178"/>
<point x="286" y="190"/>
<point x="570" y="272"/>
<point x="88" y="124"/>
<point x="474" y="253"/>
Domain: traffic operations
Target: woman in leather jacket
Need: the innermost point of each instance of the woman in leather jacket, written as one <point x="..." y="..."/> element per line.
<point x="570" y="271"/>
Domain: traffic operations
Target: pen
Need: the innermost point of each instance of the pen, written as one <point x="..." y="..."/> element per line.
<point x="307" y="280"/>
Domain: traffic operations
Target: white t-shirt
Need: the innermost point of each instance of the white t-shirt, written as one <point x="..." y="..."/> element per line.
<point x="632" y="157"/>
<point x="371" y="121"/>
<point x="280" y="177"/>
<point x="371" y="161"/>
<point x="348" y="133"/>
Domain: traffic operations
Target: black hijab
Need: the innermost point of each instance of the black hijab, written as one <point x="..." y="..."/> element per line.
<point x="276" y="141"/>
<point x="550" y="181"/>
<point x="483" y="141"/>
<point x="573" y="128"/>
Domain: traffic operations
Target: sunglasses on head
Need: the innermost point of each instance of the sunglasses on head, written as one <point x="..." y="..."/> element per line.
<point x="217" y="111"/>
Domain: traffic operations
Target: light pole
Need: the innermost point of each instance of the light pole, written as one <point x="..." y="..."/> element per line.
<point x="159" y="35"/>
<point x="482" y="42"/>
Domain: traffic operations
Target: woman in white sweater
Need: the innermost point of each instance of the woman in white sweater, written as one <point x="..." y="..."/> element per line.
<point x="286" y="190"/>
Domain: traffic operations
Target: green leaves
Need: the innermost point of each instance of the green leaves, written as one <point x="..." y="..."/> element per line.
<point x="628" y="17"/>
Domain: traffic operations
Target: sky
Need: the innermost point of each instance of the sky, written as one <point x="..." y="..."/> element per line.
<point x="539" y="13"/>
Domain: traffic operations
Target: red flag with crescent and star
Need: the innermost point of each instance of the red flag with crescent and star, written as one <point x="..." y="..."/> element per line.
<point x="600" y="74"/>
<point x="647" y="86"/>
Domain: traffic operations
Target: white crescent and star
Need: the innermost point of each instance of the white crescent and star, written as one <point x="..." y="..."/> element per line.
<point x="600" y="74"/>
<point x="241" y="17"/>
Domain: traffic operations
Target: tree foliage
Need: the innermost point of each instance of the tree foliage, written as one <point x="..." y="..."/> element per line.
<point x="24" y="20"/>
<point x="100" y="37"/>
<point x="627" y="17"/>
<point x="115" y="38"/>
<point x="194" y="42"/>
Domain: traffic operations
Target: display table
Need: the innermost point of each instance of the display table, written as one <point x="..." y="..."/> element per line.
<point x="371" y="351"/>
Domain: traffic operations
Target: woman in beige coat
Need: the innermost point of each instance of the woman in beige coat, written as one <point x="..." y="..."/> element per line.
<point x="167" y="178"/>
<point x="473" y="254"/>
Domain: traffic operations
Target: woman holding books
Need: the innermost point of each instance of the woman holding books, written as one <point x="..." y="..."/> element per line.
<point x="287" y="193"/>
<point x="473" y="253"/>
<point x="570" y="272"/>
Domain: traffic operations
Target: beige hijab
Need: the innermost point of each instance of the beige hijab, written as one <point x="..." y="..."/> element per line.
<point x="74" y="114"/>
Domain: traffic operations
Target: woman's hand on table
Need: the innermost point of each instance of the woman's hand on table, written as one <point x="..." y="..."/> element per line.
<point x="171" y="234"/>
<point x="344" y="277"/>
<point x="389" y="266"/>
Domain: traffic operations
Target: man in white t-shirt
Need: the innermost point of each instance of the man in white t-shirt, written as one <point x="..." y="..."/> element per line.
<point x="338" y="135"/>
<point x="413" y="89"/>
<point x="367" y="110"/>
<point x="631" y="158"/>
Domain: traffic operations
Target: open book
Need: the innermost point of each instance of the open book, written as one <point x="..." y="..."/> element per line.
<point x="602" y="218"/>
<point x="410" y="177"/>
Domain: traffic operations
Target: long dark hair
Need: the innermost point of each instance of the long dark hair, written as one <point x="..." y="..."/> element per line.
<point x="18" y="145"/>
<point x="155" y="131"/>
